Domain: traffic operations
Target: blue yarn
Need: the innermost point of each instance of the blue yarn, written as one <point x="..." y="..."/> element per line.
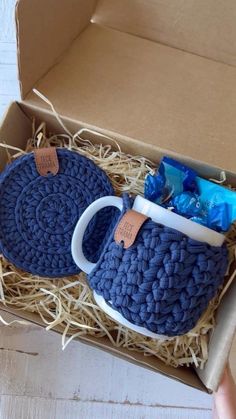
<point x="163" y="282"/>
<point x="38" y="214"/>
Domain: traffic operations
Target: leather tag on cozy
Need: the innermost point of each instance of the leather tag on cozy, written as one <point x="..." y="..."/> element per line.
<point x="128" y="227"/>
<point x="155" y="276"/>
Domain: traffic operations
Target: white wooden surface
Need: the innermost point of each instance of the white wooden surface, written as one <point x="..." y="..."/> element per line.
<point x="39" y="381"/>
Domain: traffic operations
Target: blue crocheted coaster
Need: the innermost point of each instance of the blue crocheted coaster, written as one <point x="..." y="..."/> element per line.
<point x="38" y="214"/>
<point x="163" y="282"/>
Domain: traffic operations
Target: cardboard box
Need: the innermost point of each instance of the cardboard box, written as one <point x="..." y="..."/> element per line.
<point x="157" y="76"/>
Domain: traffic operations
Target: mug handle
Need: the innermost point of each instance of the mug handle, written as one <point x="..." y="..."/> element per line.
<point x="82" y="224"/>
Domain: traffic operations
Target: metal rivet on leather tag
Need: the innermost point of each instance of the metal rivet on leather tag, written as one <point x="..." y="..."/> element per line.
<point x="128" y="227"/>
<point x="46" y="161"/>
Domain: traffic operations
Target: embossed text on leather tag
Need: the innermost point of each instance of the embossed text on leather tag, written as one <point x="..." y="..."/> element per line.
<point x="46" y="161"/>
<point x="128" y="227"/>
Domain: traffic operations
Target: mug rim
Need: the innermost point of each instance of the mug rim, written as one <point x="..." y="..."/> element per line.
<point x="215" y="238"/>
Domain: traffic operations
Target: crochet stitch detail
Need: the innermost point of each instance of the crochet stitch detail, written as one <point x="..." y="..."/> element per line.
<point x="163" y="282"/>
<point x="38" y="214"/>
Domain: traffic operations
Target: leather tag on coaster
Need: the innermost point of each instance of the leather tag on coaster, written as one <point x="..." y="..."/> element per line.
<point x="128" y="227"/>
<point x="46" y="161"/>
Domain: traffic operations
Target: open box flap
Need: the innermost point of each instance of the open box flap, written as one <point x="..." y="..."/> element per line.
<point x="221" y="341"/>
<point x="128" y="85"/>
<point x="45" y="29"/>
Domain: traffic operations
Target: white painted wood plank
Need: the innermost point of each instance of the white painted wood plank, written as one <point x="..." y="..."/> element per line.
<point x="9" y="88"/>
<point x="8" y="72"/>
<point x="8" y="53"/>
<point x="9" y="45"/>
<point x="38" y="408"/>
<point x="82" y="372"/>
<point x="7" y="32"/>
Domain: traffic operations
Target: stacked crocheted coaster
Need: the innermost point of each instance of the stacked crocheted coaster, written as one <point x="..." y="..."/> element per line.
<point x="163" y="282"/>
<point x="38" y="214"/>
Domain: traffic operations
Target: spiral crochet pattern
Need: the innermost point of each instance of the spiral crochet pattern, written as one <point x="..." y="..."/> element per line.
<point x="38" y="214"/>
<point x="163" y="282"/>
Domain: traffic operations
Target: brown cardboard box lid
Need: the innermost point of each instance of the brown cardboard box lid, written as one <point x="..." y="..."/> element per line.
<point x="104" y="63"/>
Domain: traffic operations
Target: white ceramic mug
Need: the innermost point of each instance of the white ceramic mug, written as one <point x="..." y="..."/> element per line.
<point x="157" y="214"/>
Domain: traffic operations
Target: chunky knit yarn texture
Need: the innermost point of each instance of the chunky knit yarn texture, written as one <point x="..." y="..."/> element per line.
<point x="163" y="282"/>
<point x="38" y="214"/>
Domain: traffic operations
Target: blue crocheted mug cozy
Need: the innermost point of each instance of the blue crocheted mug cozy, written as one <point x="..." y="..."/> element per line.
<point x="38" y="214"/>
<point x="163" y="282"/>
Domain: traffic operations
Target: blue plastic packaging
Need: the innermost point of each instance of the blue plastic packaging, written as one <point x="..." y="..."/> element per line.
<point x="187" y="204"/>
<point x="218" y="205"/>
<point x="178" y="187"/>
